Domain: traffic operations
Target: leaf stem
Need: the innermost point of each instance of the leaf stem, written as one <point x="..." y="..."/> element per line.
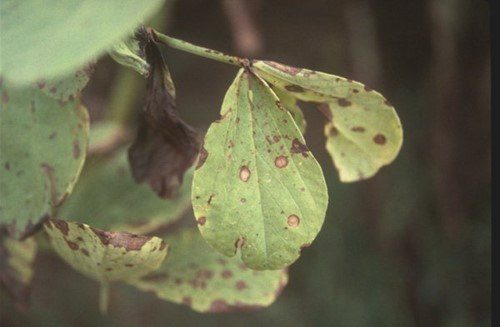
<point x="198" y="50"/>
<point x="104" y="297"/>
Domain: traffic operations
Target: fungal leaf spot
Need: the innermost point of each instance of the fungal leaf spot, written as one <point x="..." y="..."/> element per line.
<point x="363" y="131"/>
<point x="208" y="279"/>
<point x="108" y="256"/>
<point x="271" y="168"/>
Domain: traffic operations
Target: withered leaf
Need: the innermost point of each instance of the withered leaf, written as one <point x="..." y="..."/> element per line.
<point x="165" y="146"/>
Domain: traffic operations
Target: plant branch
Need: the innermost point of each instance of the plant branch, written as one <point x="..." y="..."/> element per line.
<point x="198" y="50"/>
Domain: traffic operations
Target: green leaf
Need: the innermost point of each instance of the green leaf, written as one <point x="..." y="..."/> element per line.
<point x="364" y="132"/>
<point x="290" y="103"/>
<point x="257" y="186"/>
<point x="45" y="39"/>
<point x="42" y="151"/>
<point x="106" y="137"/>
<point x="16" y="267"/>
<point x="106" y="190"/>
<point x="130" y="53"/>
<point x="105" y="256"/>
<point x="196" y="276"/>
<point x="67" y="87"/>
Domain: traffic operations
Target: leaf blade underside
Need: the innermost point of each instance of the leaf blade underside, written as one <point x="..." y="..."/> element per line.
<point x="197" y="276"/>
<point x="364" y="132"/>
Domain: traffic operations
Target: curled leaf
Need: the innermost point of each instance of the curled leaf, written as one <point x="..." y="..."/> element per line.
<point x="257" y="189"/>
<point x="364" y="132"/>
<point x="196" y="276"/>
<point x="42" y="151"/>
<point x="105" y="256"/>
<point x="130" y="52"/>
<point x="16" y="267"/>
<point x="165" y="146"/>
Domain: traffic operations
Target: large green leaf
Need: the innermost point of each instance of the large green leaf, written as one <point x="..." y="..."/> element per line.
<point x="42" y="150"/>
<point x="16" y="267"/>
<point x="105" y="256"/>
<point x="257" y="186"/>
<point x="205" y="280"/>
<point x="363" y="133"/>
<point x="106" y="196"/>
<point x="44" y="39"/>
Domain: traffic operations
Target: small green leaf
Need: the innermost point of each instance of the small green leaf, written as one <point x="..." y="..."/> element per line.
<point x="364" y="132"/>
<point x="196" y="276"/>
<point x="42" y="151"/>
<point x="46" y="39"/>
<point x="105" y="256"/>
<point x="257" y="186"/>
<point x="16" y="267"/>
<point x="105" y="191"/>
<point x="130" y="53"/>
<point x="290" y="103"/>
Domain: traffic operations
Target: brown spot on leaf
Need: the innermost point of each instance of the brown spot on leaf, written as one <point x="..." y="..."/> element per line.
<point x="62" y="226"/>
<point x="240" y="285"/>
<point x="225" y="274"/>
<point x="163" y="245"/>
<point x="293" y="221"/>
<point x="333" y="131"/>
<point x="358" y="129"/>
<point x="202" y="157"/>
<point x="284" y="68"/>
<point x="238" y="244"/>
<point x="379" y="139"/>
<point x="298" y="147"/>
<point x="294" y="88"/>
<point x="53" y="89"/>
<point x="202" y="220"/>
<point x="129" y="265"/>
<point x="52" y="135"/>
<point x="276" y="138"/>
<point x="72" y="245"/>
<point x="155" y="277"/>
<point x="368" y="89"/>
<point x="281" y="161"/>
<point x="7" y="166"/>
<point x="186" y="300"/>
<point x="245" y="173"/>
<point x="343" y="102"/>
<point x="85" y="252"/>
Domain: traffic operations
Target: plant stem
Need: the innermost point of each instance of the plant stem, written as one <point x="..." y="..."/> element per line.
<point x="104" y="297"/>
<point x="198" y="50"/>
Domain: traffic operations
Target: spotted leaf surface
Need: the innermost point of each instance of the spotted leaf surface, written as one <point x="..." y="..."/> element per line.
<point x="16" y="267"/>
<point x="105" y="256"/>
<point x="42" y="151"/>
<point x="364" y="132"/>
<point x="290" y="103"/>
<point x="67" y="87"/>
<point x="46" y="39"/>
<point x="107" y="196"/>
<point x="207" y="281"/>
<point x="257" y="187"/>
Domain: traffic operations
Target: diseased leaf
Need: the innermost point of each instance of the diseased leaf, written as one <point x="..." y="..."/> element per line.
<point x="106" y="196"/>
<point x="46" y="39"/>
<point x="290" y="104"/>
<point x="16" y="267"/>
<point x="67" y="87"/>
<point x="257" y="187"/>
<point x="42" y="151"/>
<point x="131" y="52"/>
<point x="363" y="133"/>
<point x="165" y="146"/>
<point x="105" y="256"/>
<point x="196" y="276"/>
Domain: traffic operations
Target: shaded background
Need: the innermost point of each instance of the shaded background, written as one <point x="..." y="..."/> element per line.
<point x="409" y="247"/>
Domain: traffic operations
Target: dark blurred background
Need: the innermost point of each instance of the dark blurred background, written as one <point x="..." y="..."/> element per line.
<point x="409" y="247"/>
